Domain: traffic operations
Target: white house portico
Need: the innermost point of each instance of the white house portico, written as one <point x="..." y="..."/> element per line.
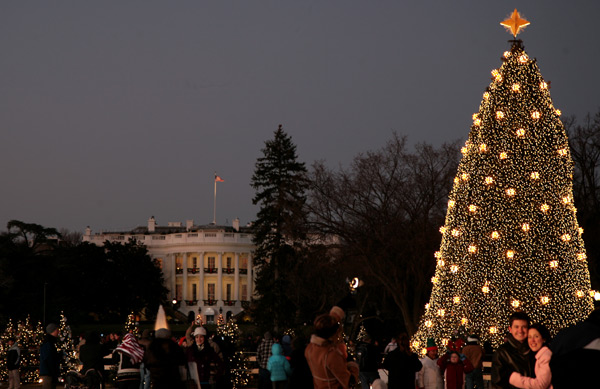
<point x="207" y="269"/>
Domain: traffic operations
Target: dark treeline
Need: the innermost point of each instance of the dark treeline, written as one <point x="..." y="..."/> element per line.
<point x="44" y="272"/>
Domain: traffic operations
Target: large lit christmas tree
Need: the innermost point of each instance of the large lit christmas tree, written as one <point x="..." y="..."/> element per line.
<point x="511" y="240"/>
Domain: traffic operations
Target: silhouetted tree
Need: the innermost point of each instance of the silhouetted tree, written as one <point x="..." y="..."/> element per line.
<point x="385" y="212"/>
<point x="279" y="231"/>
<point x="584" y="142"/>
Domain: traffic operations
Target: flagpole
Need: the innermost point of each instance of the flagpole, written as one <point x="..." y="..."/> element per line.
<point x="215" y="202"/>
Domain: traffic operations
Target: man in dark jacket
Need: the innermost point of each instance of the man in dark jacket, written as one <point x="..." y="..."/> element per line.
<point x="13" y="361"/>
<point x="49" y="359"/>
<point x="513" y="355"/>
<point x="402" y="365"/>
<point x="368" y="362"/>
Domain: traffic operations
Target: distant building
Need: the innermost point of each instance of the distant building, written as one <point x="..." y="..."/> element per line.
<point x="207" y="269"/>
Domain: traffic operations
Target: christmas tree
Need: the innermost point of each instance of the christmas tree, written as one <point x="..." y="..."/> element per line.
<point x="511" y="240"/>
<point x="66" y="347"/>
<point x="9" y="332"/>
<point x="132" y="325"/>
<point x="30" y="339"/>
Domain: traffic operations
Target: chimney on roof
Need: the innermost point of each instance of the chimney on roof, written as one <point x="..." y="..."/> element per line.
<point x="151" y="224"/>
<point x="189" y="224"/>
<point x="88" y="231"/>
<point x="236" y="224"/>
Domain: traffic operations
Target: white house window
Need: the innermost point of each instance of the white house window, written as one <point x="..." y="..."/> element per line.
<point x="244" y="292"/>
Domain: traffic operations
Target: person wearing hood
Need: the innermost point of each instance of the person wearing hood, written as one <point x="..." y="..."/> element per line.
<point x="279" y="367"/>
<point x="49" y="358"/>
<point x="128" y="357"/>
<point x="13" y="361"/>
<point x="286" y="345"/>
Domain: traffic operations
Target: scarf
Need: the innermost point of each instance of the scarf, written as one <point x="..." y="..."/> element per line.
<point x="131" y="347"/>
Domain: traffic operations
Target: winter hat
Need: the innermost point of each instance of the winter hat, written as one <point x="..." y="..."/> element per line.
<point x="162" y="333"/>
<point x="431" y="344"/>
<point x="338" y="313"/>
<point x="199" y="331"/>
<point x="50" y="328"/>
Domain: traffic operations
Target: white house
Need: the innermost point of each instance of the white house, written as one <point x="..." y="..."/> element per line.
<point x="207" y="269"/>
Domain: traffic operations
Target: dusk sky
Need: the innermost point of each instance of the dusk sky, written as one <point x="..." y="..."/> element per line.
<point x="115" y="111"/>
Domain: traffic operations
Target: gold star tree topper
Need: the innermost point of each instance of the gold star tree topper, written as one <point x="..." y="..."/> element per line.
<point x="515" y="23"/>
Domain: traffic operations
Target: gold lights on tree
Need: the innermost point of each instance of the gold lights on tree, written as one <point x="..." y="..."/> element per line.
<point x="524" y="58"/>
<point x="486" y="288"/>
<point x="511" y="240"/>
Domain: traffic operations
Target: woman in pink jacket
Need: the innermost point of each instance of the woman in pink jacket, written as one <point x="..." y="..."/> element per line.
<point x="538" y="337"/>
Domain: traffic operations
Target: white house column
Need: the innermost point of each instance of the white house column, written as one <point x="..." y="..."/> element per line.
<point x="219" y="293"/>
<point x="201" y="283"/>
<point x="236" y="280"/>
<point x="250" y="290"/>
<point x="185" y="274"/>
<point x="172" y="266"/>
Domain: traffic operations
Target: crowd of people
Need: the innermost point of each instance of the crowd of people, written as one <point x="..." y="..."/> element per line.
<point x="527" y="359"/>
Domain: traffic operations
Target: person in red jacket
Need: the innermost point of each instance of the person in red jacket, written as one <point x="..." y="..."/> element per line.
<point x="455" y="366"/>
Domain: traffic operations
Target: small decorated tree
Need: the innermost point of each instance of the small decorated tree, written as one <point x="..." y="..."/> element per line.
<point x="66" y="346"/>
<point x="132" y="326"/>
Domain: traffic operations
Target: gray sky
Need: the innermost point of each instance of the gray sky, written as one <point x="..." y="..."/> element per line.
<point x="114" y="111"/>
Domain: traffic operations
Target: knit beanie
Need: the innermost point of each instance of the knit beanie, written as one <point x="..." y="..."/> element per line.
<point x="50" y="328"/>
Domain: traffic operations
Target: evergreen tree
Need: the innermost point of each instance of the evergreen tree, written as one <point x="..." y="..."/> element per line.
<point x="511" y="240"/>
<point x="66" y="346"/>
<point x="9" y="332"/>
<point x="280" y="183"/>
<point x="30" y="338"/>
<point x="132" y="326"/>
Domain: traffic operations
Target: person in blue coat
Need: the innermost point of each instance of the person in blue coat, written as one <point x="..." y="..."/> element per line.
<point x="279" y="367"/>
